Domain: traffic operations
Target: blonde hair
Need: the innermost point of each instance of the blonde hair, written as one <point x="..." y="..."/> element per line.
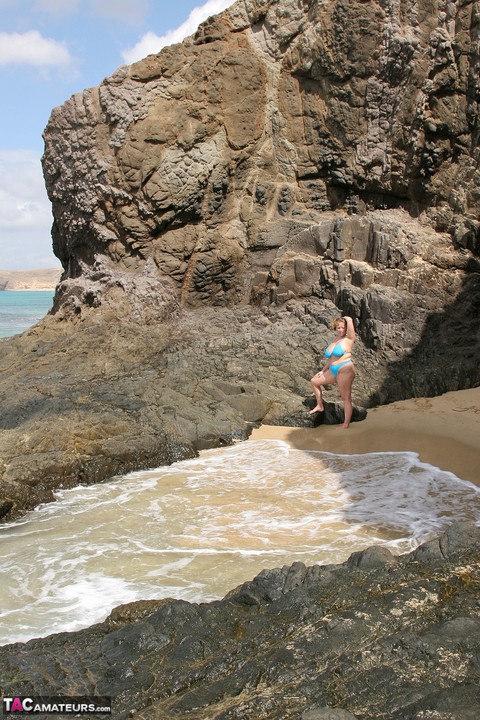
<point x="337" y="322"/>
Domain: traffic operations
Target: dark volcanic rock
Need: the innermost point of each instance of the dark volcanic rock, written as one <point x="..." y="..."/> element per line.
<point x="376" y="637"/>
<point x="218" y="204"/>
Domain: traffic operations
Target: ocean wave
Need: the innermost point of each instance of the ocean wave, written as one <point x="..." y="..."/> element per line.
<point x="200" y="527"/>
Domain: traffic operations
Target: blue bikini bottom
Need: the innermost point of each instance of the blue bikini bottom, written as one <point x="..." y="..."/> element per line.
<point x="336" y="368"/>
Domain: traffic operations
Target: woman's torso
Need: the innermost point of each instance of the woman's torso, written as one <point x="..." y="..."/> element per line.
<point x="339" y="350"/>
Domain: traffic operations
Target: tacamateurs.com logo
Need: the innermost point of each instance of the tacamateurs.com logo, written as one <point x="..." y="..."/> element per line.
<point x="56" y="705"/>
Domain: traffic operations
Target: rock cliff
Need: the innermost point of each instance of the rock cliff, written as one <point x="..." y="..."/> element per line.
<point x="315" y="153"/>
<point x="218" y="204"/>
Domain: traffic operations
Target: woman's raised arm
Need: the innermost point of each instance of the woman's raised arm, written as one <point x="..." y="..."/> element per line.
<point x="350" y="333"/>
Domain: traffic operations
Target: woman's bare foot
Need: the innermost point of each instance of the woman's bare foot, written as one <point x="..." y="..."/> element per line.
<point x="316" y="409"/>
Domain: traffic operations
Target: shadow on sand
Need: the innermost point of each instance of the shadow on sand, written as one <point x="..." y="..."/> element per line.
<point x="445" y="359"/>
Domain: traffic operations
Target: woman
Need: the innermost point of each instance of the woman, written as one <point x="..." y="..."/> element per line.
<point x="338" y="368"/>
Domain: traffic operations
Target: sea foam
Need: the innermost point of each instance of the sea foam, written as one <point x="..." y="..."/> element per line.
<point x="198" y="528"/>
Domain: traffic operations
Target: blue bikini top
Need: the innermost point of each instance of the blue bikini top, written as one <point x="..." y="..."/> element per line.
<point x="336" y="352"/>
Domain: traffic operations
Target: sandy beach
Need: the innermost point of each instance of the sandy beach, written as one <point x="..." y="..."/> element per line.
<point x="444" y="431"/>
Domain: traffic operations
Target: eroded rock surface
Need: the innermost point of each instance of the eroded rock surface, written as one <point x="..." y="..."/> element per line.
<point x="218" y="204"/>
<point x="379" y="636"/>
<point x="308" y="152"/>
<point x="214" y="152"/>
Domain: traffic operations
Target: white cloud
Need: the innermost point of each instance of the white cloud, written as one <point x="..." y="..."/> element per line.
<point x="151" y="43"/>
<point x="31" y="48"/>
<point x="25" y="213"/>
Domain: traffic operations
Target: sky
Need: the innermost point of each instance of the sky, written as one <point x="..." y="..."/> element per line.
<point x="49" y="50"/>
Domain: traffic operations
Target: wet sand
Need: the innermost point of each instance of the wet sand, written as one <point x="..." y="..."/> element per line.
<point x="444" y="431"/>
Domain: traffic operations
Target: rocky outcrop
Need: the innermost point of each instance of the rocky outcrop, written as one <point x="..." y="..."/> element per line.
<point x="218" y="204"/>
<point x="379" y="636"/>
<point x="215" y="151"/>
<point x="310" y="153"/>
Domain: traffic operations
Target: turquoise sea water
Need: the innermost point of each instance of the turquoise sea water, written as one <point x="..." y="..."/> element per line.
<point x="20" y="309"/>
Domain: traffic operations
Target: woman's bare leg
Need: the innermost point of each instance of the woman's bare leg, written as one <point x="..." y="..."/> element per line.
<point x="345" y="378"/>
<point x="318" y="380"/>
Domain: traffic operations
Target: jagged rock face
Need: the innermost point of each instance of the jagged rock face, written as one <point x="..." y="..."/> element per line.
<point x="289" y="150"/>
<point x="207" y="156"/>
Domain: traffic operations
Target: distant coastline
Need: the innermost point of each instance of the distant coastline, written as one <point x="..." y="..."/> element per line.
<point x="41" y="279"/>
